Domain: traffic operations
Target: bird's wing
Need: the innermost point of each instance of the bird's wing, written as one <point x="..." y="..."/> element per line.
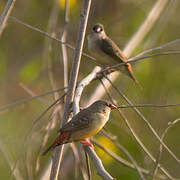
<point x="111" y="49"/>
<point x="79" y="121"/>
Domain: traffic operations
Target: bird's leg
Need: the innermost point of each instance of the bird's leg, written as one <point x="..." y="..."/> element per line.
<point x="109" y="70"/>
<point x="86" y="142"/>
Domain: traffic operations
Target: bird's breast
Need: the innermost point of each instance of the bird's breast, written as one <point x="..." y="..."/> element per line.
<point x="94" y="46"/>
<point x="93" y="128"/>
<point x="93" y="42"/>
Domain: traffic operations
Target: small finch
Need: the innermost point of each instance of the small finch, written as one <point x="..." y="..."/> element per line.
<point x="85" y="124"/>
<point x="107" y="52"/>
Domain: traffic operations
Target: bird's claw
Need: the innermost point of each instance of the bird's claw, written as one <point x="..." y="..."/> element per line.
<point x="108" y="70"/>
<point x="86" y="143"/>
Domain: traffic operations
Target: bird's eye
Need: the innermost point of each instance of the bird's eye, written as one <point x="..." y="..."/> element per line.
<point x="107" y="104"/>
<point x="97" y="29"/>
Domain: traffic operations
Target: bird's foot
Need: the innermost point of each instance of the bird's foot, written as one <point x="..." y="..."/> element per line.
<point x="108" y="70"/>
<point x="86" y="143"/>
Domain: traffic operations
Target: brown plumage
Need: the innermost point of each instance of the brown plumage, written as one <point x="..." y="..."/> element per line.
<point x="86" y="123"/>
<point x="107" y="52"/>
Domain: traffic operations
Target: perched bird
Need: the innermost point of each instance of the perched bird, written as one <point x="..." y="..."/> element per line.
<point x="107" y="52"/>
<point x="86" y="123"/>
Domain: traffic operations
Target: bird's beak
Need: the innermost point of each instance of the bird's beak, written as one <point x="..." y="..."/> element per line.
<point x="113" y="106"/>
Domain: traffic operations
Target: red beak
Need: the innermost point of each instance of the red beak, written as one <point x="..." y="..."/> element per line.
<point x="112" y="106"/>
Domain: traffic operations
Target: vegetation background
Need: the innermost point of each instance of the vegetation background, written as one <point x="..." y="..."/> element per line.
<point x="24" y="65"/>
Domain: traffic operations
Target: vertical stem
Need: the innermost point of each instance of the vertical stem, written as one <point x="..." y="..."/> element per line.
<point x="72" y="83"/>
<point x="88" y="165"/>
<point x="63" y="46"/>
<point x="5" y="14"/>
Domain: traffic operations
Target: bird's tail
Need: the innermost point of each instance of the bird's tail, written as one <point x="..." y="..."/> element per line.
<point x="132" y="76"/>
<point x="47" y="150"/>
<point x="61" y="139"/>
<point x="137" y="82"/>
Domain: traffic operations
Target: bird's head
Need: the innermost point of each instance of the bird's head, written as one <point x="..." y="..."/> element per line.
<point x="98" y="29"/>
<point x="101" y="106"/>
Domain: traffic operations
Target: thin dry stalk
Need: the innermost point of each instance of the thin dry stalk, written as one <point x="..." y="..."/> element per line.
<point x="125" y="152"/>
<point x="149" y="106"/>
<point x="28" y="154"/>
<point x="77" y="97"/>
<point x="57" y="112"/>
<point x="121" y="147"/>
<point x="98" y="164"/>
<point x="5" y="14"/>
<point x="48" y="127"/>
<point x="123" y="161"/>
<point x="158" y="48"/>
<point x="32" y="127"/>
<point x="72" y="83"/>
<point x="76" y="160"/>
<point x="88" y="165"/>
<point x="146" y="26"/>
<point x="46" y="55"/>
<point x="81" y="85"/>
<point x="31" y="93"/>
<point x="26" y="100"/>
<point x="5" y="155"/>
<point x="145" y="120"/>
<point x="63" y="46"/>
<point x="139" y="58"/>
<point x="45" y="138"/>
<point x="49" y="36"/>
<point x="53" y="18"/>
<point x="134" y="133"/>
<point x="54" y="86"/>
<point x="170" y="125"/>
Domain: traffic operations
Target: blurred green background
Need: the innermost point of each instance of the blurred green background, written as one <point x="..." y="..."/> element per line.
<point x="24" y="60"/>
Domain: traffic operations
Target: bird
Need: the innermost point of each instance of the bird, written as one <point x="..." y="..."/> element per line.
<point x="83" y="125"/>
<point x="107" y="52"/>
